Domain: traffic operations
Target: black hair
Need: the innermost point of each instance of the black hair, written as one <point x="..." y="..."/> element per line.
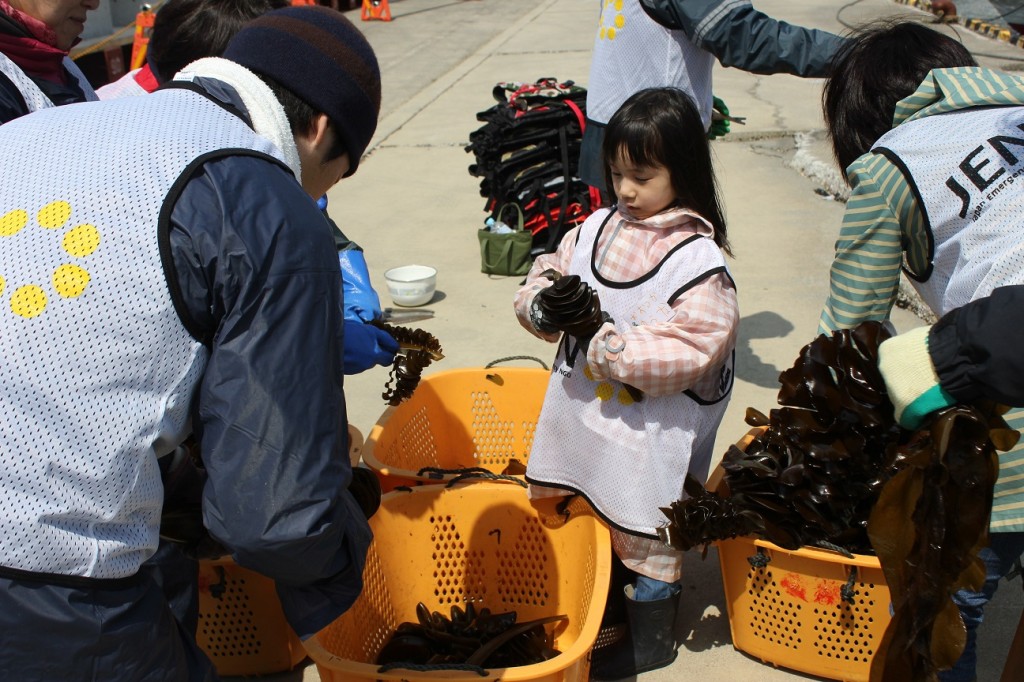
<point x="662" y="126"/>
<point x="301" y="116"/>
<point x="187" y="30"/>
<point x="880" y="64"/>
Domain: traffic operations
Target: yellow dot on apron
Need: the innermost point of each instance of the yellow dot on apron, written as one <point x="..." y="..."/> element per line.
<point x="3" y="283"/>
<point x="28" y="301"/>
<point x="12" y="222"/>
<point x="587" y="373"/>
<point x="81" y="241"/>
<point x="618" y="5"/>
<point x="620" y="21"/>
<point x="625" y="398"/>
<point x="602" y="32"/>
<point x="611" y="33"/>
<point x="604" y="391"/>
<point x="55" y="214"/>
<point x="70" y="280"/>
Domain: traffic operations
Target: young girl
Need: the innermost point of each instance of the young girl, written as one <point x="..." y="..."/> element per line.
<point x="632" y="409"/>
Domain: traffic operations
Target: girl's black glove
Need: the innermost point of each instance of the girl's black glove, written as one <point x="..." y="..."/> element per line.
<point x="571" y="305"/>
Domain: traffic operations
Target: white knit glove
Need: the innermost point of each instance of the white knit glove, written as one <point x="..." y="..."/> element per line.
<point x="910" y="377"/>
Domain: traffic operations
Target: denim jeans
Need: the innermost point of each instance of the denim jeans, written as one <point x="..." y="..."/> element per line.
<point x="649" y="589"/>
<point x="1003" y="550"/>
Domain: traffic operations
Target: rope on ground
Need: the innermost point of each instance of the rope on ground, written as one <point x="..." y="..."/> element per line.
<point x="492" y="363"/>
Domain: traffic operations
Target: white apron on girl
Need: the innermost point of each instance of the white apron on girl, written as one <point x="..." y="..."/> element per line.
<point x="629" y="458"/>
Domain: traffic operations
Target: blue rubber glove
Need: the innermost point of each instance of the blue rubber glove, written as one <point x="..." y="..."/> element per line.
<point x="361" y="301"/>
<point x="366" y="346"/>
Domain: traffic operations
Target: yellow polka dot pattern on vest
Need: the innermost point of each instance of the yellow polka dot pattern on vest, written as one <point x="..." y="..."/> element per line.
<point x="605" y="390"/>
<point x="68" y="280"/>
<point x="612" y="19"/>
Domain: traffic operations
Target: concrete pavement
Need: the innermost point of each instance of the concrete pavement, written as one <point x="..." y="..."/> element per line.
<point x="413" y="201"/>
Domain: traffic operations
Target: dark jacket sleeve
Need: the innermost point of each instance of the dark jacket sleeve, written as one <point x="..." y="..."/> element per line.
<point x="740" y="36"/>
<point x="257" y="270"/>
<point x="12" y="103"/>
<point x="976" y="349"/>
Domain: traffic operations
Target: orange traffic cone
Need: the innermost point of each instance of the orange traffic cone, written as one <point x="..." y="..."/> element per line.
<point x="376" y="9"/>
<point x="143" y="28"/>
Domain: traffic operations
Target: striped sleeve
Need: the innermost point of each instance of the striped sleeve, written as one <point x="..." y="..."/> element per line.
<point x="881" y="216"/>
<point x="954" y="89"/>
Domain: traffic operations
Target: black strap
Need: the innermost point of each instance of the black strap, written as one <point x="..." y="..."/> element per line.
<point x="72" y="581"/>
<point x="556" y="230"/>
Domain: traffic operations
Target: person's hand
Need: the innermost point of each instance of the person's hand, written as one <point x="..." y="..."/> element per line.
<point x="367" y="346"/>
<point x="365" y="488"/>
<point x="720" y="122"/>
<point x="361" y="300"/>
<point x="910" y="377"/>
<point x="721" y="119"/>
<point x="570" y="305"/>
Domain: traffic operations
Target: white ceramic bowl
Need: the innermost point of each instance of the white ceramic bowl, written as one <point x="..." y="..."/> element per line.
<point x="411" y="285"/>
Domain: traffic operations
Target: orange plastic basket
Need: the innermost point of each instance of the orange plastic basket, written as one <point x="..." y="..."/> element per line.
<point x="241" y="625"/>
<point x="790" y="612"/>
<point x="786" y="608"/>
<point x="457" y="419"/>
<point x="480" y="542"/>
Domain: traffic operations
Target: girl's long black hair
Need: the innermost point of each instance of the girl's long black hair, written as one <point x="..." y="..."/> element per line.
<point x="661" y="126"/>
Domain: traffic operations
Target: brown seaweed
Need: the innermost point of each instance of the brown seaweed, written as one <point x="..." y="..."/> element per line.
<point x="926" y="528"/>
<point x="416" y="350"/>
<point x="832" y="468"/>
<point x="811" y="476"/>
<point x="475" y="637"/>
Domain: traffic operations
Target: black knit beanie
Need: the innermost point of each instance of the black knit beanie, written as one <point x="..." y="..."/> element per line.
<point x="320" y="56"/>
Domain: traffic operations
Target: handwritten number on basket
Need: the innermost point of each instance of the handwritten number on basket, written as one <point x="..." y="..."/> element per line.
<point x="496" y="531"/>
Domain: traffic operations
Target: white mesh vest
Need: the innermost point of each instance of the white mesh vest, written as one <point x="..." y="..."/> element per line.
<point x="125" y="86"/>
<point x="967" y="170"/>
<point x="629" y="458"/>
<point x="96" y="368"/>
<point x="34" y="97"/>
<point x="633" y="52"/>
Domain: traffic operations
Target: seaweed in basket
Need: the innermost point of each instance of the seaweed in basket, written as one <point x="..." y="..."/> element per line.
<point x="811" y="476"/>
<point x="471" y="637"/>
<point x="831" y="468"/>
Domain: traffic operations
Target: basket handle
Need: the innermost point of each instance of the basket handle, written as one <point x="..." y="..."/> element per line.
<point x="492" y="363"/>
<point x="438" y="473"/>
<point x="487" y="475"/>
<point x="466" y="474"/>
<point x="847" y="591"/>
<point x="759" y="560"/>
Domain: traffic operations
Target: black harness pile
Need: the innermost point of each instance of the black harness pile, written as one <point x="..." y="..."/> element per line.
<point x="527" y="153"/>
